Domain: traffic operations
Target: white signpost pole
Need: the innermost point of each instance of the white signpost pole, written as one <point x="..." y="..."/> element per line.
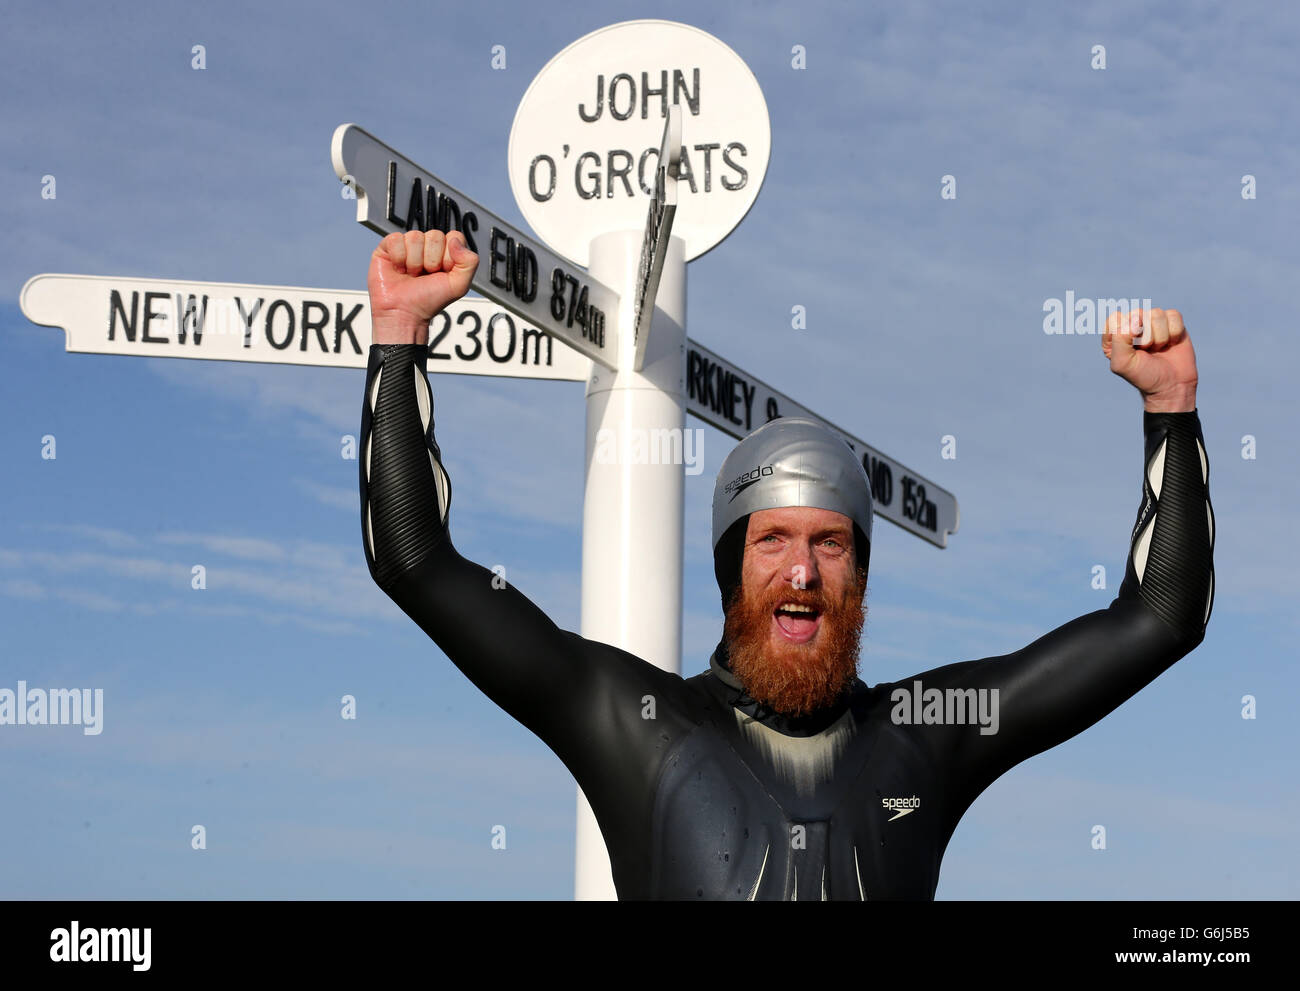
<point x="633" y="501"/>
<point x="636" y="444"/>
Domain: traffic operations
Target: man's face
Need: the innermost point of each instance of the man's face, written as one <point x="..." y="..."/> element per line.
<point x="787" y="657"/>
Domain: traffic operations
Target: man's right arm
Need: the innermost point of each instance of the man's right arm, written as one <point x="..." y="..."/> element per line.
<point x="497" y="637"/>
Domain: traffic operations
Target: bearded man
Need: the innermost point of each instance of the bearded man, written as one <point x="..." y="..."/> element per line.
<point x="777" y="773"/>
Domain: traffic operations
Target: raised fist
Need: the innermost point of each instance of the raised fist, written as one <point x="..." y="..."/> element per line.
<point x="1162" y="366"/>
<point x="412" y="277"/>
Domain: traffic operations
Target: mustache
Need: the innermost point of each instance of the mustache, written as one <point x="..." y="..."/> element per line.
<point x="814" y="598"/>
<point x="816" y="601"/>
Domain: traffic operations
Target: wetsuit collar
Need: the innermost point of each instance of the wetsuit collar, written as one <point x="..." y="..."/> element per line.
<point x="721" y="672"/>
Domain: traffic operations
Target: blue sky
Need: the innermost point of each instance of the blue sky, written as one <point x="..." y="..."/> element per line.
<point x="221" y="706"/>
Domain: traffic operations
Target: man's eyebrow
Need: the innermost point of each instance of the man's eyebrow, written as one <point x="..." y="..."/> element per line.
<point x="835" y="530"/>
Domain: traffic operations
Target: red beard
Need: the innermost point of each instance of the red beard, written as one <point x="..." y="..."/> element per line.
<point x="796" y="678"/>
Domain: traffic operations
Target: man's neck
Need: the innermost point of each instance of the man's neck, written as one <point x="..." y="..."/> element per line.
<point x="809" y="724"/>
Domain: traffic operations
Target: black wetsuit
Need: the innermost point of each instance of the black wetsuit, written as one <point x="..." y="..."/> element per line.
<point x="718" y="797"/>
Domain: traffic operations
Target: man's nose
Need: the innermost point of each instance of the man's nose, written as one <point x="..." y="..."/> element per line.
<point x="801" y="566"/>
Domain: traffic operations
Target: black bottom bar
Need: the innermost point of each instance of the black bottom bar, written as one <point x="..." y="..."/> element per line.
<point x="550" y="941"/>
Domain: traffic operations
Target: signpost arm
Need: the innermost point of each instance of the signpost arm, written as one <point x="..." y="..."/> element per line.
<point x="658" y="228"/>
<point x="395" y="194"/>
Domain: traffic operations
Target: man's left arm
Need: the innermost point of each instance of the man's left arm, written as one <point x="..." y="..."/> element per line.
<point x="1072" y="677"/>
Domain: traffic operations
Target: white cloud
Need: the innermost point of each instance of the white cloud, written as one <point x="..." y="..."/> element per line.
<point x="334" y="496"/>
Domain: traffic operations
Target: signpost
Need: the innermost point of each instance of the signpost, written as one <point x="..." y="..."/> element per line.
<point x="613" y="314"/>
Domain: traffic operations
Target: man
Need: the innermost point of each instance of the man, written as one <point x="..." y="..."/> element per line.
<point x="776" y="774"/>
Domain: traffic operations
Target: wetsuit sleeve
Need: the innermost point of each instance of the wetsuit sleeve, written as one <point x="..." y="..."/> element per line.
<point x="1072" y="677"/>
<point x="568" y="690"/>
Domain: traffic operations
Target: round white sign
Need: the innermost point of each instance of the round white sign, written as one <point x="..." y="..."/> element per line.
<point x="585" y="141"/>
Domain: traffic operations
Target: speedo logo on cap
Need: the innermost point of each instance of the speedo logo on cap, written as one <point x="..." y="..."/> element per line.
<point x="741" y="482"/>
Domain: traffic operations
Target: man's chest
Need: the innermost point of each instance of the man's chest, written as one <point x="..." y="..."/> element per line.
<point x="852" y="813"/>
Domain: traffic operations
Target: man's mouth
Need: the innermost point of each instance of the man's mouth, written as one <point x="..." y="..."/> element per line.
<point x="797" y="623"/>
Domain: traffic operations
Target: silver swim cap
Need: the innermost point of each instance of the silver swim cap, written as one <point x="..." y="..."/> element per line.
<point x="791" y="461"/>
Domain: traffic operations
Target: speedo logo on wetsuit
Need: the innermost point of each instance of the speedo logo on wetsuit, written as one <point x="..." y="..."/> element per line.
<point x="900" y="806"/>
<point x="1147" y="505"/>
<point x="741" y="482"/>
